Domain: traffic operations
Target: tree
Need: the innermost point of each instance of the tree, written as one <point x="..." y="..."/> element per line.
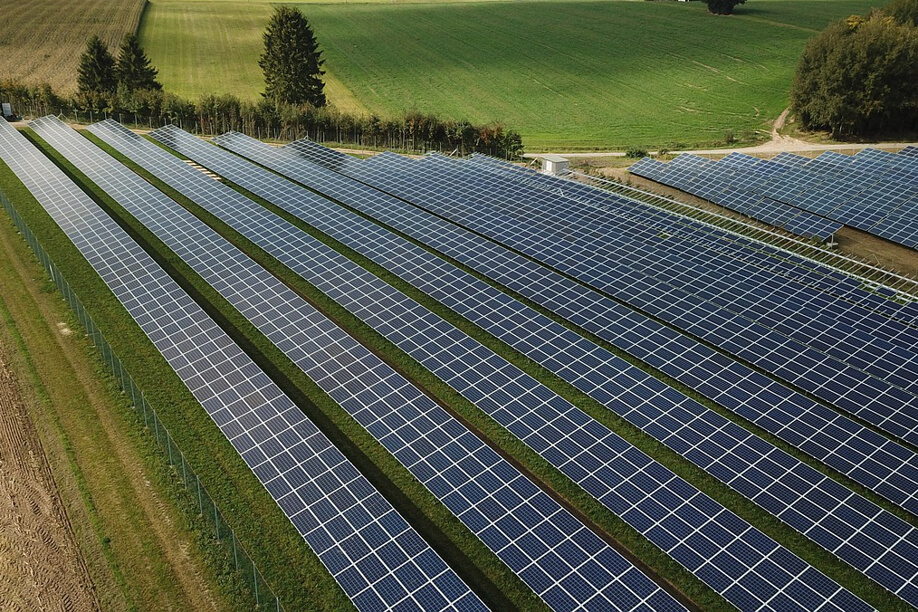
<point x="133" y="70"/>
<point x="859" y="76"/>
<point x="96" y="72"/>
<point x="905" y="12"/>
<point x="292" y="61"/>
<point x="723" y="7"/>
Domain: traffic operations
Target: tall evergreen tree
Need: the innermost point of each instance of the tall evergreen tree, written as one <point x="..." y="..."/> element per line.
<point x="96" y="72"/>
<point x="133" y="70"/>
<point x="292" y="62"/>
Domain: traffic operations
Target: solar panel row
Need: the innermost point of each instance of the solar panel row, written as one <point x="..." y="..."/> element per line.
<point x="784" y="263"/>
<point x="433" y="275"/>
<point x="874" y="191"/>
<point x="564" y="562"/>
<point x="307" y="476"/>
<point x="700" y="181"/>
<point x="551" y="426"/>
<point x="706" y="238"/>
<point x="450" y="195"/>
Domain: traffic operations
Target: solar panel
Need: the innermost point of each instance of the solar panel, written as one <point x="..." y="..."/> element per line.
<point x="304" y="473"/>
<point x="573" y="360"/>
<point x="522" y="524"/>
<point x="740" y="160"/>
<point x="778" y="261"/>
<point x="744" y="200"/>
<point x="909" y="151"/>
<point x="865" y="191"/>
<point x="648" y="168"/>
<point x="830" y="161"/>
<point x="790" y="159"/>
<point x="533" y="414"/>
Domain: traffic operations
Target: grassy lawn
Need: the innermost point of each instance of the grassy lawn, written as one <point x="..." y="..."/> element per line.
<point x="567" y="75"/>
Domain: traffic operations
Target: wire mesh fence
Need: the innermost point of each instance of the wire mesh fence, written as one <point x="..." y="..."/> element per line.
<point x="245" y="569"/>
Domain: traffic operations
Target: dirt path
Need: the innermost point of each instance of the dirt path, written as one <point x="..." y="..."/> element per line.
<point x="777" y="144"/>
<point x="148" y="545"/>
<point x="41" y="566"/>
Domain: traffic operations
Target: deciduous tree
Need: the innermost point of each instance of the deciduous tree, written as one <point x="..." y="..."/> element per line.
<point x="905" y="12"/>
<point x="859" y="76"/>
<point x="292" y="62"/>
<point x="723" y="7"/>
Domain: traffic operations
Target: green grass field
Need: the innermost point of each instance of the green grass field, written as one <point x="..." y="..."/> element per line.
<point x="567" y="75"/>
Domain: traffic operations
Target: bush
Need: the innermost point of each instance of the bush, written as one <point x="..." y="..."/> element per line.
<point x="214" y="114"/>
<point x="636" y="152"/>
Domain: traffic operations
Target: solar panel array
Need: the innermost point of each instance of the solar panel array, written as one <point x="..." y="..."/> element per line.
<point x="874" y="191"/>
<point x="868" y="341"/>
<point x="769" y="404"/>
<point x="682" y="288"/>
<point x="561" y="559"/>
<point x="788" y="265"/>
<point x="627" y="481"/>
<point x="698" y="180"/>
<point x="559" y="347"/>
<point x="330" y="503"/>
<point x="390" y="176"/>
<point x="735" y="559"/>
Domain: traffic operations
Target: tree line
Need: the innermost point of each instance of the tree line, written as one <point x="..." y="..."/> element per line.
<point x="293" y="105"/>
<point x="859" y="76"/>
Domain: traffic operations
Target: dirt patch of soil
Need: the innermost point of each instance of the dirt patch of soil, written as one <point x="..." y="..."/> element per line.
<point x="41" y="567"/>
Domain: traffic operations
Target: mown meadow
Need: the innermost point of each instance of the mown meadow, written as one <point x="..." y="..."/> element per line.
<point x="566" y="75"/>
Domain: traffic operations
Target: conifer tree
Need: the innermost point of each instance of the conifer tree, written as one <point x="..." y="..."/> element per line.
<point x="292" y="62"/>
<point x="133" y="70"/>
<point x="96" y="72"/>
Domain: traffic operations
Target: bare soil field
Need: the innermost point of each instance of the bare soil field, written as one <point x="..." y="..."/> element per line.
<point x="41" y="566"/>
<point x="41" y="41"/>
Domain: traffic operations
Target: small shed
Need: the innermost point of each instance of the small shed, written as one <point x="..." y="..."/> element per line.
<point x="555" y="164"/>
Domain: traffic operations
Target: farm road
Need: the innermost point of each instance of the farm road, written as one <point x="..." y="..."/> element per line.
<point x="777" y="144"/>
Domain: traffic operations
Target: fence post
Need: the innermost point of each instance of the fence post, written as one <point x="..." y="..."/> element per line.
<point x="255" y="575"/>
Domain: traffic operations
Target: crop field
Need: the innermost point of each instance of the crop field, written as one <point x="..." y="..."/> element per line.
<point x="41" y="41"/>
<point x="567" y="75"/>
